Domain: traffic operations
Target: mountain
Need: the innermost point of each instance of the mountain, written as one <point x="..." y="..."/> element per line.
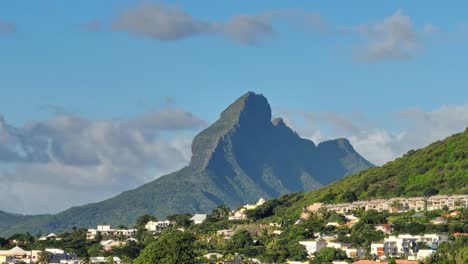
<point x="440" y="168"/>
<point x="241" y="157"/>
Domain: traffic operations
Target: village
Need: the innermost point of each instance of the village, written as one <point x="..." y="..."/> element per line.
<point x="398" y="246"/>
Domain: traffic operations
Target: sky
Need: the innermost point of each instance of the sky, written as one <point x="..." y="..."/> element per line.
<point x="98" y="97"/>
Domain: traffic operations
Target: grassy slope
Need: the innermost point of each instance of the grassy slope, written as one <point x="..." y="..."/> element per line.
<point x="442" y="166"/>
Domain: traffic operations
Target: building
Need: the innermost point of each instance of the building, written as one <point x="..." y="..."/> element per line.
<point x="226" y="233"/>
<point x="107" y="245"/>
<point x="50" y="236"/>
<point x="18" y="255"/>
<point x="14" y="255"/>
<point x="385" y="228"/>
<point x="350" y="251"/>
<point x="405" y="245"/>
<point x="253" y="206"/>
<point x="417" y="204"/>
<point x="313" y="246"/>
<point x="157" y="226"/>
<point x="106" y="230"/>
<point x="424" y="253"/>
<point x="198" y="218"/>
<point x="213" y="256"/>
<point x="105" y="260"/>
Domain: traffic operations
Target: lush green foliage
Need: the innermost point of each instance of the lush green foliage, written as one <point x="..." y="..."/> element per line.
<point x="327" y="255"/>
<point x="172" y="247"/>
<point x="440" y="168"/>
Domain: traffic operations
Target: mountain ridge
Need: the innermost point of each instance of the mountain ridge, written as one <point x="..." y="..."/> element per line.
<point x="241" y="157"/>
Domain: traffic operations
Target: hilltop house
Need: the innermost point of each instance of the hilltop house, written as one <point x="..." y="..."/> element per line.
<point x="313" y="246"/>
<point x="106" y="230"/>
<point x="417" y="204"/>
<point x="240" y="214"/>
<point x="198" y="218"/>
<point x="157" y="226"/>
<point x="19" y="255"/>
<point x="405" y="245"/>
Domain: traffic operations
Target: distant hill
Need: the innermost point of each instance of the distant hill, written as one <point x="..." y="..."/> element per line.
<point x="243" y="156"/>
<point x="440" y="168"/>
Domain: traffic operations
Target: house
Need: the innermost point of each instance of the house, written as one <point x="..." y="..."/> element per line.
<point x="313" y="246"/>
<point x="106" y="230"/>
<point x="260" y="201"/>
<point x="424" y="253"/>
<point x="354" y="252"/>
<point x="50" y="236"/>
<point x="385" y="228"/>
<point x="107" y="245"/>
<point x="439" y="221"/>
<point x="104" y="260"/>
<point x="14" y="255"/>
<point x="350" y="252"/>
<point x="157" y="226"/>
<point x="198" y="218"/>
<point x="405" y="245"/>
<point x="377" y="249"/>
<point x="213" y="256"/>
<point x="238" y="215"/>
<point x="226" y="233"/>
<point x="18" y="255"/>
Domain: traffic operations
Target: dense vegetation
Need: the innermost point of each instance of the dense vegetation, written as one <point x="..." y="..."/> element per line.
<point x="440" y="168"/>
<point x="258" y="238"/>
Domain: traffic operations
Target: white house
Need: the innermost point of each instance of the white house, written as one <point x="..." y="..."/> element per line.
<point x="313" y="246"/>
<point x="107" y="245"/>
<point x="104" y="260"/>
<point x="106" y="230"/>
<point x="157" y="226"/>
<point x="405" y="245"/>
<point x="198" y="218"/>
<point x="424" y="253"/>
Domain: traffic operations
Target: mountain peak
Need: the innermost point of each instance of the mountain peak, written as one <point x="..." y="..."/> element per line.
<point x="250" y="111"/>
<point x="249" y="106"/>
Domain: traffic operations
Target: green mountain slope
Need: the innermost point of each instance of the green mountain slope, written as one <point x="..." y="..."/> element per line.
<point x="241" y="157"/>
<point x="440" y="168"/>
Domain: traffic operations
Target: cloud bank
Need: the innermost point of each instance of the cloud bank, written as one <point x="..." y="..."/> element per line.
<point x="50" y="165"/>
<point x="170" y="23"/>
<point x="379" y="144"/>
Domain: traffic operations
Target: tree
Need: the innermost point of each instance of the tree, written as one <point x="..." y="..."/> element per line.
<point x="391" y="261"/>
<point x="143" y="220"/>
<point x="327" y="255"/>
<point x="172" y="247"/>
<point x="181" y="220"/>
<point x="110" y="260"/>
<point x="43" y="257"/>
<point x="220" y="212"/>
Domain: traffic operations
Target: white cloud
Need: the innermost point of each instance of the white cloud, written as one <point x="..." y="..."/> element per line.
<point x="394" y="38"/>
<point x="170" y="23"/>
<point x="91" y="158"/>
<point x="379" y="145"/>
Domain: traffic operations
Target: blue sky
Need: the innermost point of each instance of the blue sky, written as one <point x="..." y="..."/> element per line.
<point x="389" y="75"/>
